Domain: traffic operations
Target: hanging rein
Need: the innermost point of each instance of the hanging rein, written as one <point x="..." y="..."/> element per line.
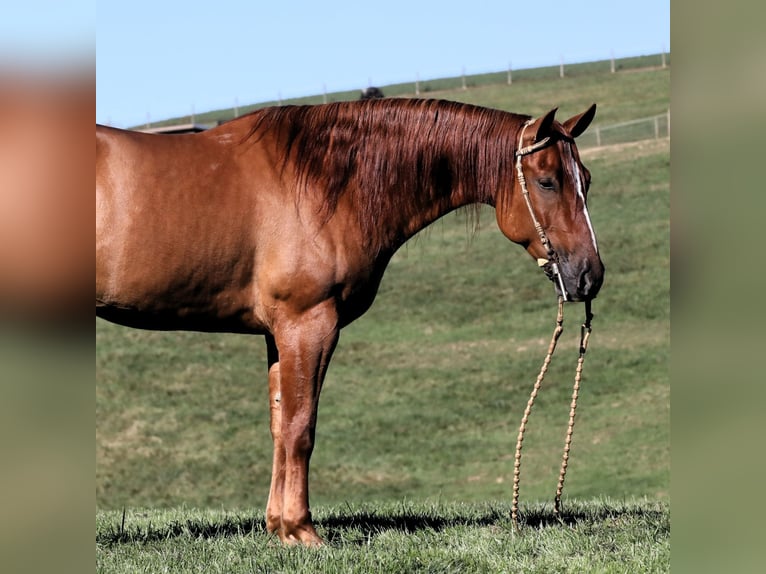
<point x="585" y="331"/>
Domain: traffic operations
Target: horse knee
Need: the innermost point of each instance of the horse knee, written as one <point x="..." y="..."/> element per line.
<point x="299" y="439"/>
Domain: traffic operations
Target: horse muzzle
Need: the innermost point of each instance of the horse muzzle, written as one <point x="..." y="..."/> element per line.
<point x="574" y="282"/>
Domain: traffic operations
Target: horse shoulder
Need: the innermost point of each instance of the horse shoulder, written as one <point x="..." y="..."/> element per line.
<point x="305" y="262"/>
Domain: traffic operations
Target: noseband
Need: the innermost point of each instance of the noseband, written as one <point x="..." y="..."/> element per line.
<point x="552" y="255"/>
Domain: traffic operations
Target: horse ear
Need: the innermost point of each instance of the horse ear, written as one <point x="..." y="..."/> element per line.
<point x="578" y="124"/>
<point x="544" y="125"/>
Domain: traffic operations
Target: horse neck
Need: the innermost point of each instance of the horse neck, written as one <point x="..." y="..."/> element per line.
<point x="471" y="172"/>
<point x="424" y="210"/>
<point x="398" y="164"/>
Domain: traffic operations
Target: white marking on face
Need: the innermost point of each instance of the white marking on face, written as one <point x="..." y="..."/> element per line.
<point x="580" y="187"/>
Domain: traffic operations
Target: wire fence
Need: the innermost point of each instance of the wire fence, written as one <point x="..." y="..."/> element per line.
<point x="654" y="127"/>
<point x="429" y="87"/>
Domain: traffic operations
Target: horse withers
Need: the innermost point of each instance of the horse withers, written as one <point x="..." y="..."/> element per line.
<point x="282" y="222"/>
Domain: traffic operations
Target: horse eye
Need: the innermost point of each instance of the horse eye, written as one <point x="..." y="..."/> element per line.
<point x="546" y="183"/>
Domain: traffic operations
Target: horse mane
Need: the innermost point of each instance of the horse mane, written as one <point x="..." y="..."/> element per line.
<point x="395" y="157"/>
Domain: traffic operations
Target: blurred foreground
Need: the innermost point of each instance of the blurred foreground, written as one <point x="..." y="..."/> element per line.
<point x="46" y="354"/>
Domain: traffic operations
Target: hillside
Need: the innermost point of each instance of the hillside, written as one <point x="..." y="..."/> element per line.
<point x="635" y="90"/>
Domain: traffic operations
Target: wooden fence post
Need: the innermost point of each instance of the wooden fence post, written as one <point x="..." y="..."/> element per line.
<point x="668" y="122"/>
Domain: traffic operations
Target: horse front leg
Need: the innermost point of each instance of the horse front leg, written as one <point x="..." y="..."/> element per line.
<point x="305" y="346"/>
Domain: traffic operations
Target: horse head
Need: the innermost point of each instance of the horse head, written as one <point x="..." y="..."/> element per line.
<point x="546" y="210"/>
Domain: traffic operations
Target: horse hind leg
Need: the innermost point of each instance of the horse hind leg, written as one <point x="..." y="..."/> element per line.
<point x="274" y="505"/>
<point x="304" y="345"/>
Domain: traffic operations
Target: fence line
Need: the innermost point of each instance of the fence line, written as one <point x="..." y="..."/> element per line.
<point x="464" y="81"/>
<point x="654" y="127"/>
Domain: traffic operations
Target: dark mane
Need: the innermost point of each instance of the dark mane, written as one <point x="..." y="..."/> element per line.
<point x="394" y="156"/>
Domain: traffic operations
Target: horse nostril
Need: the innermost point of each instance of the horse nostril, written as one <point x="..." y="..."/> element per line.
<point x="584" y="280"/>
<point x="589" y="280"/>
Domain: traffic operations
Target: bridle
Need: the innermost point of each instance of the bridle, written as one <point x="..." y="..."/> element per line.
<point x="553" y="258"/>
<point x="585" y="331"/>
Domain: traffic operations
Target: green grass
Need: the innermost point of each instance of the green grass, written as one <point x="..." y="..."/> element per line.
<point x="600" y="536"/>
<point x="422" y="403"/>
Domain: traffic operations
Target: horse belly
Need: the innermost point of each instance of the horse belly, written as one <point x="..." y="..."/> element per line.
<point x="172" y="282"/>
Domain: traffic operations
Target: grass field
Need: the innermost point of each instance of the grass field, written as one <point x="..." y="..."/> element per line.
<point x="406" y="537"/>
<point x="419" y="413"/>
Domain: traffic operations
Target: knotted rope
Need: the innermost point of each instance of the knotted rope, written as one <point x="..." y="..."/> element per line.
<point x="585" y="331"/>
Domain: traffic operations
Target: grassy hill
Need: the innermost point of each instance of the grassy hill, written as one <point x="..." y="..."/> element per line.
<point x="635" y="90"/>
<point x="424" y="395"/>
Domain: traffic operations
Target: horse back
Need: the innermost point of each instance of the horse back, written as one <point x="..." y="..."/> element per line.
<point x="174" y="241"/>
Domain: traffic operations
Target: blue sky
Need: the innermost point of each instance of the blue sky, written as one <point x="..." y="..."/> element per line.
<point x="47" y="34"/>
<point x="158" y="59"/>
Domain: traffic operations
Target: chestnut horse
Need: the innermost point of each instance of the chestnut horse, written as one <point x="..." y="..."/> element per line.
<point x="282" y="223"/>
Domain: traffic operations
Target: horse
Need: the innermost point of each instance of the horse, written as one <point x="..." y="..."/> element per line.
<point x="282" y="222"/>
<point x="370" y="93"/>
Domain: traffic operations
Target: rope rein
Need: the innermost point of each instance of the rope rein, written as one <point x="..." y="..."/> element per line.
<point x="585" y="331"/>
<point x="523" y="426"/>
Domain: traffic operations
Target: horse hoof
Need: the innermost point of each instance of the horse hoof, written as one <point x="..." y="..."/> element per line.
<point x="304" y="536"/>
